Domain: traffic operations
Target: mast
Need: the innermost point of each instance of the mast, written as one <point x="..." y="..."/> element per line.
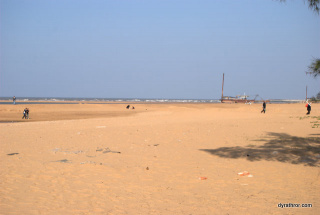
<point x="307" y="93"/>
<point x="222" y="87"/>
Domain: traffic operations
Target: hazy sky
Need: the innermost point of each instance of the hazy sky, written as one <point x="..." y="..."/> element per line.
<point x="157" y="48"/>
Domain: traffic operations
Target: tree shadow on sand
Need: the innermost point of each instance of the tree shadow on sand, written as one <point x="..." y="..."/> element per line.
<point x="277" y="147"/>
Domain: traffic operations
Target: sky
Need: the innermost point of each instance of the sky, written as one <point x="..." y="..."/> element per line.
<point x="172" y="49"/>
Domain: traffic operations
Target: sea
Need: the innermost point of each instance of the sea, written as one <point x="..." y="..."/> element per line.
<point x="52" y="100"/>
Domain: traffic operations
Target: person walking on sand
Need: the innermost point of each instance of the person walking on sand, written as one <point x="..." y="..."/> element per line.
<point x="26" y="113"/>
<point x="14" y="100"/>
<point x="264" y="107"/>
<point x="308" y="108"/>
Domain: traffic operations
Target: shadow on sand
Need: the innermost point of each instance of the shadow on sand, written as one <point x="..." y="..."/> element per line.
<point x="277" y="147"/>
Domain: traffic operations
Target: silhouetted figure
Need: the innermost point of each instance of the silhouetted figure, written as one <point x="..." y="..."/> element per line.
<point x="14" y="100"/>
<point x="25" y="113"/>
<point x="308" y="108"/>
<point x="264" y="107"/>
<point x="128" y="107"/>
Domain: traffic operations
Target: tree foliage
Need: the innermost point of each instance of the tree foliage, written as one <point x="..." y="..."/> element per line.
<point x="313" y="5"/>
<point x="314" y="68"/>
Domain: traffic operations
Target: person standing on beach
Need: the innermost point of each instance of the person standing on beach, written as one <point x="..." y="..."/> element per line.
<point x="14" y="100"/>
<point x="308" y="108"/>
<point x="264" y="107"/>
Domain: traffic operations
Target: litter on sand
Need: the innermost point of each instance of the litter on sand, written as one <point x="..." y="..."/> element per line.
<point x="106" y="150"/>
<point x="203" y="178"/>
<point x="245" y="173"/>
<point x="63" y="161"/>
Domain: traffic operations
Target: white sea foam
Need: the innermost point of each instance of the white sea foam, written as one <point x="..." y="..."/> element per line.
<point x="128" y="100"/>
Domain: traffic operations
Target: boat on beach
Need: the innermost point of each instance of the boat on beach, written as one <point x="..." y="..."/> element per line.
<point x="236" y="99"/>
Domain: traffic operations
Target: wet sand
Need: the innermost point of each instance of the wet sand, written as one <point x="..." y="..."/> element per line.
<point x="159" y="159"/>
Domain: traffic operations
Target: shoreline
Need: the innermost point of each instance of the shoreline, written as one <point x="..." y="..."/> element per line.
<point x="143" y="101"/>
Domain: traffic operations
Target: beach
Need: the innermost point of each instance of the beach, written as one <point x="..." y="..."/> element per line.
<point x="159" y="158"/>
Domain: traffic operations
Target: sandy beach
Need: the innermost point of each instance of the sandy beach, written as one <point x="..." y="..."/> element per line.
<point x="159" y="159"/>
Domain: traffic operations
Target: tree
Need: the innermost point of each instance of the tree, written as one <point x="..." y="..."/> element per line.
<point x="313" y="5"/>
<point x="314" y="68"/>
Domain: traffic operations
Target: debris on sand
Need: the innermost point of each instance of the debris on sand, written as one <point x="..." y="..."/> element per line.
<point x="245" y="173"/>
<point x="63" y="161"/>
<point x="13" y="154"/>
<point x="106" y="150"/>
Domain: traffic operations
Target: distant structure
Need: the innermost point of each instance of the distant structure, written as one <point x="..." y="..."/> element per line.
<point x="237" y="99"/>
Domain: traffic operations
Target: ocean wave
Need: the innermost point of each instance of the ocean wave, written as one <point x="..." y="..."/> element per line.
<point x="127" y="100"/>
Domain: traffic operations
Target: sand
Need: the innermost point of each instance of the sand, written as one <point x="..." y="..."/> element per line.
<point x="159" y="159"/>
